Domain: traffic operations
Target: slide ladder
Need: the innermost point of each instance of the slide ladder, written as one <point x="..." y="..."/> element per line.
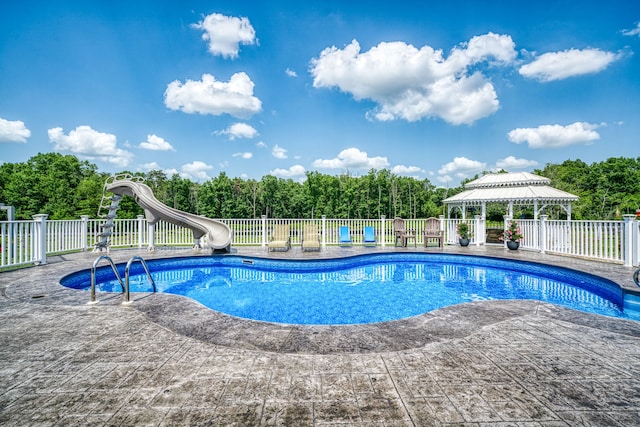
<point x="110" y="204"/>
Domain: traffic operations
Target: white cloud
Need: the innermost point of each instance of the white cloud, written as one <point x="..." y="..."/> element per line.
<point x="279" y="152"/>
<point x="461" y="167"/>
<point x="554" y="136"/>
<point x="445" y="178"/>
<point x="196" y="170"/>
<point x="239" y="130"/>
<point x="410" y="83"/>
<point x="568" y="63"/>
<point x="633" y="32"/>
<point x="245" y="155"/>
<point x="91" y="145"/>
<point x="352" y="158"/>
<point x="261" y="144"/>
<point x="295" y="171"/>
<point x="156" y="143"/>
<point x="13" y="131"/>
<point x="226" y="33"/>
<point x="152" y="166"/>
<point x="291" y="73"/>
<point x="511" y="162"/>
<point x="406" y="170"/>
<point x="209" y="96"/>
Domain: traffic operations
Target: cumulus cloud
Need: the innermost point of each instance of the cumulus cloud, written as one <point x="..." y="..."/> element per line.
<point x="209" y="96"/>
<point x="195" y="170"/>
<point x="226" y="33"/>
<point x="261" y="144"/>
<point x="13" y="131"/>
<point x="295" y="171"/>
<point x="156" y="143"/>
<point x="91" y="145"/>
<point x="406" y="170"/>
<point x="568" y="63"/>
<point x="460" y="167"/>
<point x="633" y="32"/>
<point x="245" y="155"/>
<point x="151" y="166"/>
<point x="511" y="162"/>
<point x="352" y="158"/>
<point x="410" y="83"/>
<point x="279" y="152"/>
<point x="239" y="130"/>
<point x="554" y="136"/>
<point x="291" y="73"/>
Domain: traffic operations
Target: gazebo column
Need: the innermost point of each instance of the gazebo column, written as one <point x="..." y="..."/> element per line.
<point x="510" y="209"/>
<point x="464" y="211"/>
<point x="535" y="210"/>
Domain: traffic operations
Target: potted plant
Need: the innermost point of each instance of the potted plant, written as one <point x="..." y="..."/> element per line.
<point x="512" y="235"/>
<point x="463" y="234"/>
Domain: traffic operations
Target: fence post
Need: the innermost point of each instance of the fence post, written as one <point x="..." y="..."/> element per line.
<point x="324" y="230"/>
<point x="140" y="219"/>
<point x="542" y="233"/>
<point x="636" y="242"/>
<point x="84" y="233"/>
<point x="40" y="239"/>
<point x="629" y="222"/>
<point x="383" y="236"/>
<point x="264" y="230"/>
<point x="479" y="232"/>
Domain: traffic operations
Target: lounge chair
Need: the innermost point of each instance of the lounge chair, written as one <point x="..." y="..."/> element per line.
<point x="345" y="236"/>
<point x="432" y="231"/>
<point x="401" y="233"/>
<point x="369" y="236"/>
<point x="280" y="238"/>
<point x="310" y="238"/>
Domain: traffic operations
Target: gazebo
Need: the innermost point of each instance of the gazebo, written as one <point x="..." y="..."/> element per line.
<point x="517" y="188"/>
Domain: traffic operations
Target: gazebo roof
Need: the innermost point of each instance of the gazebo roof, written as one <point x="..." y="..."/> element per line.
<point x="514" y="179"/>
<point x="518" y="188"/>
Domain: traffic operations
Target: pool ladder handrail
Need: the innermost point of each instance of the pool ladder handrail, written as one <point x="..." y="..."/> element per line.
<point x="124" y="285"/>
<point x="93" y="275"/>
<point x="127" y="299"/>
<point x="636" y="279"/>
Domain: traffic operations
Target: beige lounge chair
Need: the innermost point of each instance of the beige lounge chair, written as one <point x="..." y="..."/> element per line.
<point x="280" y="238"/>
<point x="310" y="238"/>
<point x="401" y="233"/>
<point x="432" y="231"/>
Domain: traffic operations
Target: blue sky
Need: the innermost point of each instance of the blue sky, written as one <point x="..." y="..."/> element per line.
<point x="436" y="90"/>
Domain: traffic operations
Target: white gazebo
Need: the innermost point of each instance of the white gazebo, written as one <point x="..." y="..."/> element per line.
<point x="518" y="188"/>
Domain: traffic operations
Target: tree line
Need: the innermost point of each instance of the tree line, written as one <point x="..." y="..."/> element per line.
<point x="65" y="187"/>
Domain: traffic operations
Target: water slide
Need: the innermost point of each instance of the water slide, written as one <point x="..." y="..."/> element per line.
<point x="209" y="232"/>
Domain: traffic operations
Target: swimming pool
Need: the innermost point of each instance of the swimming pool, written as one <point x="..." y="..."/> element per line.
<point x="359" y="289"/>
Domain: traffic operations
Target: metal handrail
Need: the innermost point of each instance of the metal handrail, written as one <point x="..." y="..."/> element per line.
<point x="126" y="276"/>
<point x="93" y="275"/>
<point x="636" y="279"/>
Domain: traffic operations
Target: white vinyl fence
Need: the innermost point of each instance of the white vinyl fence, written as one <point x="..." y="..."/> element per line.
<point x="29" y="242"/>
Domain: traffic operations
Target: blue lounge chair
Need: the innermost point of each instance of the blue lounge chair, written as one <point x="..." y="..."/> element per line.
<point x="345" y="236"/>
<point x="369" y="236"/>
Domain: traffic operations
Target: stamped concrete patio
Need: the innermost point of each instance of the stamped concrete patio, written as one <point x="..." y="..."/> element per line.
<point x="167" y="361"/>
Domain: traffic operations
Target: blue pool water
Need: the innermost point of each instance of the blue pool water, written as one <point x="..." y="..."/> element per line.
<point x="360" y="289"/>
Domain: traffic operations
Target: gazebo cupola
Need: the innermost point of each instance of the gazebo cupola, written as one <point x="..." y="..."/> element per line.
<point x="517" y="188"/>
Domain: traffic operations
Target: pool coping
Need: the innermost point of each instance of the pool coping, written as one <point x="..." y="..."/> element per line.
<point x="189" y="318"/>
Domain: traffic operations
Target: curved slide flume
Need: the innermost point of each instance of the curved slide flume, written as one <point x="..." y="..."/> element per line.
<point x="211" y="233"/>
